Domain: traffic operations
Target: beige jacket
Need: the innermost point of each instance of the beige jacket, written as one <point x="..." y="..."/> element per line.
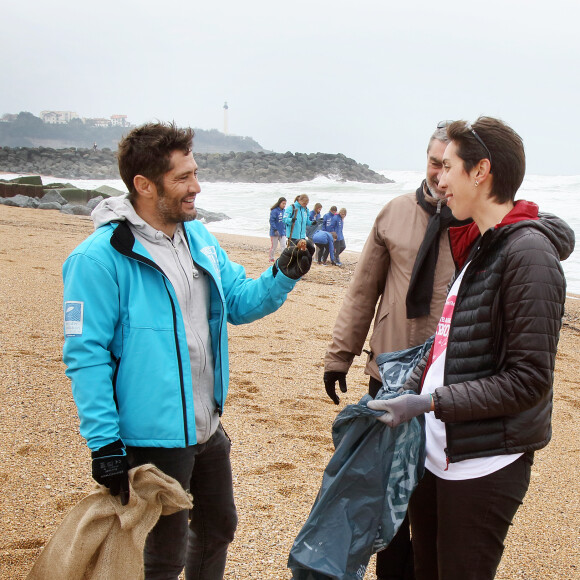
<point x="382" y="275"/>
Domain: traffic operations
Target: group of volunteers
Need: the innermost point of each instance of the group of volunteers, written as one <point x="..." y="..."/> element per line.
<point x="288" y="224"/>
<point x="149" y="295"/>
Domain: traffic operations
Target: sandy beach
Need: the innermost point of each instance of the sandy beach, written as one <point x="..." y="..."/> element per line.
<point x="277" y="415"/>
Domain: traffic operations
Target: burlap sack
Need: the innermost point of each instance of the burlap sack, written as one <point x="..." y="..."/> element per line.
<point x="100" y="539"/>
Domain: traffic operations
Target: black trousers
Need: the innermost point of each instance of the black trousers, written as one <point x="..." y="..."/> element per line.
<point x="201" y="545"/>
<point x="395" y="562"/>
<point x="459" y="526"/>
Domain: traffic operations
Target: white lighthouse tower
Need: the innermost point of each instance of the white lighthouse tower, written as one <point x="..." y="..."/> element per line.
<point x="226" y="118"/>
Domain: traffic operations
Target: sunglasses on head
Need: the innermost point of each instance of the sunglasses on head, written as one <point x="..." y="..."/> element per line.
<point x="443" y="124"/>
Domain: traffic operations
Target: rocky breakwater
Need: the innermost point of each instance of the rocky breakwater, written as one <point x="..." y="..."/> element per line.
<point x="248" y="167"/>
<point x="68" y="163"/>
<point x="283" y="167"/>
<point x="30" y="192"/>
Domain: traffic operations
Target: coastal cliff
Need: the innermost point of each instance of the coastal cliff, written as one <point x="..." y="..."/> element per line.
<point x="247" y="166"/>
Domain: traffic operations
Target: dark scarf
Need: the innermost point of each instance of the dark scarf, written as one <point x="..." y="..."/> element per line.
<point x="420" y="290"/>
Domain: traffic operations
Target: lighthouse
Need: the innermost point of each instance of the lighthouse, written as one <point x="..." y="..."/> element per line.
<point x="226" y="118"/>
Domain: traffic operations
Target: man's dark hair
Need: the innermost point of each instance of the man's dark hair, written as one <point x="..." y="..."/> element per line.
<point x="333" y="208"/>
<point x="504" y="146"/>
<point x="147" y="149"/>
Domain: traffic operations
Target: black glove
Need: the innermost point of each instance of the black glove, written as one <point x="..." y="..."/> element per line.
<point x="330" y="378"/>
<point x="293" y="262"/>
<point x="110" y="468"/>
<point x="401" y="409"/>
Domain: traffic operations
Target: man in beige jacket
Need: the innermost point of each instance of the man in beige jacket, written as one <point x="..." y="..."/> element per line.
<point x="405" y="266"/>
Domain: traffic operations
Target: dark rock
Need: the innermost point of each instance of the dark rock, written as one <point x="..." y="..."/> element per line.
<point x="210" y="216"/>
<point x="49" y="205"/>
<point x="53" y="196"/>
<point x="94" y="202"/>
<point x="76" y="209"/>
<point x="20" y="201"/>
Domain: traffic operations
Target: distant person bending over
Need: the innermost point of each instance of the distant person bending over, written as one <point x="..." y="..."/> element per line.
<point x="400" y="281"/>
<point x="339" y="243"/>
<point x="147" y="301"/>
<point x="316" y="220"/>
<point x="487" y="385"/>
<point x="277" y="227"/>
<point x="324" y="245"/>
<point x="296" y="219"/>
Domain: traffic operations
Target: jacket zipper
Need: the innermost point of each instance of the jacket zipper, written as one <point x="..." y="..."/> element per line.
<point x="196" y="265"/>
<point x="129" y="253"/>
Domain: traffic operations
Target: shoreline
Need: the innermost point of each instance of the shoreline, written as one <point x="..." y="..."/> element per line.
<point x="277" y="414"/>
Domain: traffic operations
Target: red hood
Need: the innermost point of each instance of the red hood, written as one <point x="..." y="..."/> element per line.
<point x="462" y="238"/>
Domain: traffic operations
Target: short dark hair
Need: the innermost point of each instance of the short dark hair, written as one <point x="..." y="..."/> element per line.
<point x="146" y="150"/>
<point x="333" y="208"/>
<point x="504" y="145"/>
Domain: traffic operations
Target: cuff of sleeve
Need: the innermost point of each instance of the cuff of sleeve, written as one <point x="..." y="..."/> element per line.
<point x="438" y="412"/>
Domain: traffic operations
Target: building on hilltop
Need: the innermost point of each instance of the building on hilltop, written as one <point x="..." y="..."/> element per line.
<point x="63" y="117"/>
<point x="58" y="117"/>
<point x="98" y="122"/>
<point x="119" y="121"/>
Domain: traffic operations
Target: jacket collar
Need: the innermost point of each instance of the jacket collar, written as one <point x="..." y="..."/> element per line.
<point x="462" y="238"/>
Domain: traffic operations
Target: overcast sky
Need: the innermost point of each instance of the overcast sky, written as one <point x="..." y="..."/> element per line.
<point x="367" y="78"/>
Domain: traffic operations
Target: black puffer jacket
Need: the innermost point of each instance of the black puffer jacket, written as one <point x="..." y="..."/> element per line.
<point x="501" y="352"/>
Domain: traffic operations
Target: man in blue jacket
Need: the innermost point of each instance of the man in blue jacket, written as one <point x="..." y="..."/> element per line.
<point x="147" y="299"/>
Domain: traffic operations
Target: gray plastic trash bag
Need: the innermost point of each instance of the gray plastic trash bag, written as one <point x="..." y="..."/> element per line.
<point x="366" y="486"/>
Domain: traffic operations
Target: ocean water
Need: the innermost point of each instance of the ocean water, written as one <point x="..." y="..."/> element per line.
<point x="248" y="204"/>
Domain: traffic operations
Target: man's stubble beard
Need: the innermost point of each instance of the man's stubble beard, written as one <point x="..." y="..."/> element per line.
<point x="172" y="214"/>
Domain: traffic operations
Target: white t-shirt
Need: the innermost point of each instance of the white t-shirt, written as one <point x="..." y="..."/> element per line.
<point x="436" y="460"/>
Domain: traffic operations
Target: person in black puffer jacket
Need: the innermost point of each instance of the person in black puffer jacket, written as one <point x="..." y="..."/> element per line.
<point x="486" y="386"/>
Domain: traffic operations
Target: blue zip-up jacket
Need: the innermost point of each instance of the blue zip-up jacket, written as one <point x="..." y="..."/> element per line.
<point x="312" y="216"/>
<point x="125" y="342"/>
<point x="327" y="221"/>
<point x="321" y="237"/>
<point x="302" y="220"/>
<point x="337" y="225"/>
<point x="277" y="226"/>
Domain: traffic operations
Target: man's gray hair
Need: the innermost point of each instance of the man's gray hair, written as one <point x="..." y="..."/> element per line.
<point x="440" y="135"/>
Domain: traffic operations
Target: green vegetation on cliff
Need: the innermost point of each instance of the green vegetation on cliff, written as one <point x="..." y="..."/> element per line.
<point x="26" y="130"/>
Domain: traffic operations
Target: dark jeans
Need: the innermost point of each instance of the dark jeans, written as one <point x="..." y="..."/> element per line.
<point x="459" y="526"/>
<point x="395" y="562"/>
<point x="205" y="470"/>
<point x="339" y="247"/>
<point x="322" y="252"/>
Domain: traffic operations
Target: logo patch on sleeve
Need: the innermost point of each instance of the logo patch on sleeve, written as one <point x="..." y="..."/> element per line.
<point x="73" y="318"/>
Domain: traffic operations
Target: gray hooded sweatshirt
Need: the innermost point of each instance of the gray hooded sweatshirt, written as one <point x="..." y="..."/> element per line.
<point x="191" y="286"/>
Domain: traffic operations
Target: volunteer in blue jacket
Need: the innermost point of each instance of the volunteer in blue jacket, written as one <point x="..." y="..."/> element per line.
<point x="327" y="219"/>
<point x="337" y="226"/>
<point x="277" y="227"/>
<point x="324" y="242"/>
<point x="296" y="220"/>
<point x="315" y="220"/>
<point x="147" y="299"/>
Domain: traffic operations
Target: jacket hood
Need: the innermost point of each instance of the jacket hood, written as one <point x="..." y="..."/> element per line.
<point x="524" y="213"/>
<point x="119" y="209"/>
